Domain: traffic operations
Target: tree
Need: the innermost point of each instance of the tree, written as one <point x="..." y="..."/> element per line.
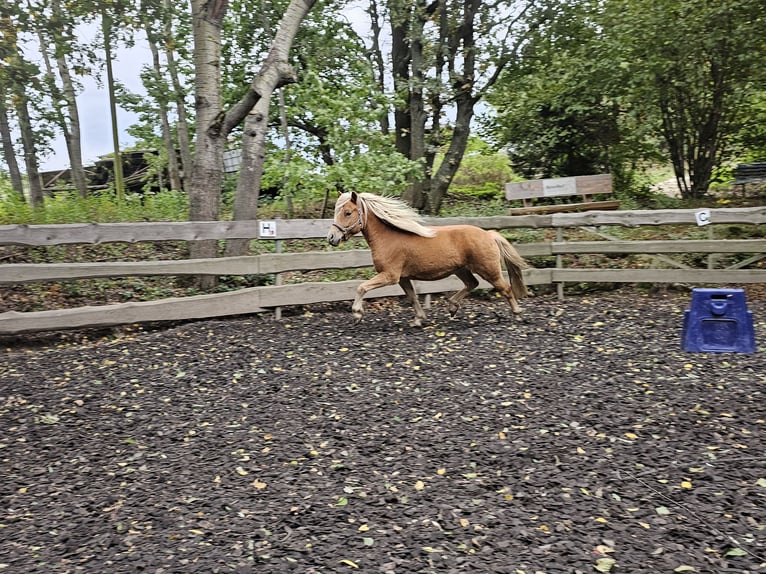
<point x="693" y="65"/>
<point x="214" y="123"/>
<point x="18" y="75"/>
<point x="58" y="43"/>
<point x="445" y="56"/>
<point x="562" y="109"/>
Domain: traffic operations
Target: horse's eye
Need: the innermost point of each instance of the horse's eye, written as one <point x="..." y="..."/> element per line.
<point x="348" y="214"/>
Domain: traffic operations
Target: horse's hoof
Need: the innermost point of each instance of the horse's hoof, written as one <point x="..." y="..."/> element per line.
<point x="417" y="322"/>
<point x="357" y="316"/>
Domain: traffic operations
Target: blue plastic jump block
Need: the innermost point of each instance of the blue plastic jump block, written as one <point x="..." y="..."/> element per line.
<point x="718" y="322"/>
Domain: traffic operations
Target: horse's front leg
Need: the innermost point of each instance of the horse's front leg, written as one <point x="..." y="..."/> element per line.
<point x="380" y="280"/>
<point x="409" y="290"/>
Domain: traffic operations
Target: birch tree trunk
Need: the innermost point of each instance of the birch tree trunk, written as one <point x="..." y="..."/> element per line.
<point x="274" y="73"/>
<point x="30" y="151"/>
<point x="69" y="121"/>
<point x="9" y="155"/>
<point x="162" y="109"/>
<point x="214" y="124"/>
<point x="207" y="170"/>
<point x="182" y="129"/>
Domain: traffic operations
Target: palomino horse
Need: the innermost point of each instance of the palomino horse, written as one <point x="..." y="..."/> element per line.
<point x="403" y="249"/>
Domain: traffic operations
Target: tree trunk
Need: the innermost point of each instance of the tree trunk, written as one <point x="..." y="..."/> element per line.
<point x="182" y="129"/>
<point x="119" y="181"/>
<point x="162" y="108"/>
<point x="400" y="68"/>
<point x="275" y="73"/>
<point x="378" y="64"/>
<point x="9" y="154"/>
<point x="207" y="169"/>
<point x="416" y="194"/>
<point x="30" y="152"/>
<point x="69" y="122"/>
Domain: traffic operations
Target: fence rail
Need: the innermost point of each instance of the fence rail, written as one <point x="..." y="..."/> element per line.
<point x="258" y="299"/>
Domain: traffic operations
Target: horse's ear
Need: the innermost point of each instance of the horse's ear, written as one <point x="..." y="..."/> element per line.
<point x="354" y="197"/>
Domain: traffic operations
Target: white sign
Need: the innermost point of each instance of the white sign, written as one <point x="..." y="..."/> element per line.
<point x="559" y="186"/>
<point x="702" y="217"/>
<point x="267" y="229"/>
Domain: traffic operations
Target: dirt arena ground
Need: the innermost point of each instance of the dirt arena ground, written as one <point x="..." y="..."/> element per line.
<point x="579" y="439"/>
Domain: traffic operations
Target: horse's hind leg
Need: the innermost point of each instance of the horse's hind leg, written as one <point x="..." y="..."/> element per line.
<point x="496" y="279"/>
<point x="409" y="290"/>
<point x="505" y="290"/>
<point x="470" y="283"/>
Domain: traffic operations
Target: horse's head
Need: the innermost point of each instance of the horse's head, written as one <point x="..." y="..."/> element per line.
<point x="348" y="219"/>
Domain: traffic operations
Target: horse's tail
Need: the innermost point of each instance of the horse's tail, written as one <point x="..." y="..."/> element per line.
<point x="514" y="263"/>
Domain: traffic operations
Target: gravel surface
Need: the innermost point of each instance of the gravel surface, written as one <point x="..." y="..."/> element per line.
<point x="580" y="438"/>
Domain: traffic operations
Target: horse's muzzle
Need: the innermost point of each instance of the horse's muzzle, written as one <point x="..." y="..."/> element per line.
<point x="334" y="238"/>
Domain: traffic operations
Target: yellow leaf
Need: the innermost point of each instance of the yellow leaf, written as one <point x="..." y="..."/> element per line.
<point x="364" y="528"/>
<point x="441" y="471"/>
<point x="350" y="563"/>
<point x="197" y="532"/>
<point x="258" y="484"/>
<point x="420" y="485"/>
<point x="601" y="519"/>
<point x="605" y="564"/>
<point x="645" y="525"/>
<point x="502" y="436"/>
<point x="464" y="522"/>
<point x="241" y="471"/>
<point x="686" y="484"/>
<point x="631" y="436"/>
<point x="580" y="450"/>
<point x="23" y="490"/>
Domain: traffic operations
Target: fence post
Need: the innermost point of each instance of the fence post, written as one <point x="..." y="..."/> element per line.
<point x="559" y="264"/>
<point x="278" y="279"/>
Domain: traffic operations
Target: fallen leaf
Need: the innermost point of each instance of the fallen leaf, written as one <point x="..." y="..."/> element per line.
<point x="662" y="510"/>
<point x="350" y="563"/>
<point x="685" y="568"/>
<point x="420" y="485"/>
<point x="761" y="482"/>
<point x="364" y="528"/>
<point x="735" y="552"/>
<point x="605" y="564"/>
<point x="368" y="541"/>
<point x="686" y="484"/>
<point x="259" y="485"/>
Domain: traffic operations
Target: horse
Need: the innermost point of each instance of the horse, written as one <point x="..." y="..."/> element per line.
<point x="404" y="249"/>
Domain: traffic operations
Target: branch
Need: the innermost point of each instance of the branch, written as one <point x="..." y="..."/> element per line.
<point x="276" y="71"/>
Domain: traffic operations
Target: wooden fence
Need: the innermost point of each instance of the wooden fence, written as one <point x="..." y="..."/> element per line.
<point x="258" y="299"/>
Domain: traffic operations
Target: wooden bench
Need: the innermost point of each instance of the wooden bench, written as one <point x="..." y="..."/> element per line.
<point x="584" y="186"/>
<point x="746" y="173"/>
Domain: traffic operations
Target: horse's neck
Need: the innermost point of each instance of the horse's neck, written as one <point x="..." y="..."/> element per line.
<point x="375" y="231"/>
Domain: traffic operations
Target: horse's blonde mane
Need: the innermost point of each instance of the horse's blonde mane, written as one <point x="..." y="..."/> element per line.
<point x="391" y="210"/>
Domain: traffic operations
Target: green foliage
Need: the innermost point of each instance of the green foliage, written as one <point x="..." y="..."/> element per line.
<point x="483" y="172"/>
<point x="750" y="141"/>
<point x="619" y="85"/>
<point x="101" y="207"/>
